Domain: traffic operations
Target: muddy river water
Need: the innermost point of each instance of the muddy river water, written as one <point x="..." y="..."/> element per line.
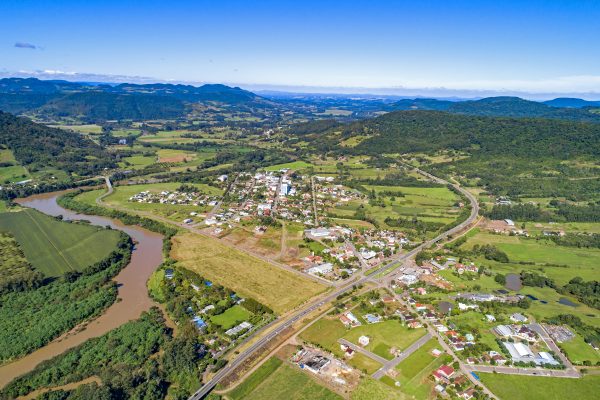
<point x="133" y="296"/>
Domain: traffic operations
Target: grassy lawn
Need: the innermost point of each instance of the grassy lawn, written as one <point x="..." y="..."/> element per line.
<point x="87" y="129"/>
<point x="517" y="387"/>
<point x="255" y="379"/>
<point x="231" y="317"/>
<point x="578" y="350"/>
<point x="325" y="332"/>
<point x="385" y="335"/>
<point x="13" y="173"/>
<point x="370" y="389"/>
<point x="414" y="371"/>
<point x="279" y="289"/>
<point x="136" y="162"/>
<point x="55" y="247"/>
<point x="280" y="381"/>
<point x="175" y="156"/>
<point x="296" y="165"/>
<point x="581" y="261"/>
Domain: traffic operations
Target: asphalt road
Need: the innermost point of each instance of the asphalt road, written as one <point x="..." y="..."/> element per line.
<point x="309" y="308"/>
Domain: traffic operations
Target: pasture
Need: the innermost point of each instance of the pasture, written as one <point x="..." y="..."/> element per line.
<point x="55" y="247"/>
<point x="276" y="380"/>
<point x="277" y="288"/>
<point x="520" y="387"/>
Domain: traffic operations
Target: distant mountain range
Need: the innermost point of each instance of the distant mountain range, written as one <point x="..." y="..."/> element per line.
<point x="97" y="102"/>
<point x="123" y="101"/>
<point x="562" y="108"/>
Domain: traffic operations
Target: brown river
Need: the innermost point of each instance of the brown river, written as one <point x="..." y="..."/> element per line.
<point x="133" y="296"/>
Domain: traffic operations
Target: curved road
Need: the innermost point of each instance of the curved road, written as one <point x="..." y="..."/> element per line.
<point x="283" y="324"/>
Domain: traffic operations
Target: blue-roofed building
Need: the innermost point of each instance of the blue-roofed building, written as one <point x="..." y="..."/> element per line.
<point x="372" y="319"/>
<point x="208" y="283"/>
<point x="199" y="322"/>
<point x="169" y="273"/>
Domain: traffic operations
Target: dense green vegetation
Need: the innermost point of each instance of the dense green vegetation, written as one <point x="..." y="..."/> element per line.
<point x="138" y="360"/>
<point x="32" y="318"/>
<point x="16" y="273"/>
<point x="39" y="147"/>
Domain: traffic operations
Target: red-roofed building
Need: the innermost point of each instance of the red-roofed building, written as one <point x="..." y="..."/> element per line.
<point x="443" y="373"/>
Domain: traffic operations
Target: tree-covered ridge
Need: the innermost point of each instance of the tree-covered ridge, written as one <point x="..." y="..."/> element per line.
<point x="422" y="131"/>
<point x="38" y="147"/>
<point x="110" y="106"/>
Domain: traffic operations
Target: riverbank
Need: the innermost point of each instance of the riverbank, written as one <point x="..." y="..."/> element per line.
<point x="133" y="298"/>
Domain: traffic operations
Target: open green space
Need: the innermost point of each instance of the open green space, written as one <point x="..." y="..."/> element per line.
<point x="278" y="380"/>
<point x="370" y="389"/>
<point x="414" y="371"/>
<point x="578" y="351"/>
<point x="231" y="317"/>
<point x="325" y="333"/>
<point x="136" y="162"/>
<point x="255" y="379"/>
<point x="579" y="260"/>
<point x="520" y="387"/>
<point x="384" y="336"/>
<point x="55" y="247"/>
<point x="295" y="165"/>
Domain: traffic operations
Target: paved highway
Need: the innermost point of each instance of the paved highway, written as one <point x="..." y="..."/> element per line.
<point x="282" y="324"/>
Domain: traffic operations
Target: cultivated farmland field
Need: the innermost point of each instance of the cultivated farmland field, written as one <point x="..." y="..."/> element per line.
<point x="54" y="247"/>
<point x="279" y="289"/>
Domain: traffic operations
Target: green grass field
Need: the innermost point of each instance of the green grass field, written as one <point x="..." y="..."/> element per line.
<point x="11" y="173"/>
<point x="255" y="379"/>
<point x="296" y="165"/>
<point x="55" y="247"/>
<point x="370" y="389"/>
<point x="231" y="317"/>
<point x="519" y="387"/>
<point x="384" y="336"/>
<point x="326" y="332"/>
<point x="136" y="162"/>
<point x="275" y="380"/>
<point x="414" y="371"/>
<point x="578" y="351"/>
<point x="581" y="261"/>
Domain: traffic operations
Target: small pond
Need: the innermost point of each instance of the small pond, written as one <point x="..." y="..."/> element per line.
<point x="513" y="282"/>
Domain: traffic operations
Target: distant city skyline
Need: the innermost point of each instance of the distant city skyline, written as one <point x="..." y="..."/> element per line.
<point x="467" y="49"/>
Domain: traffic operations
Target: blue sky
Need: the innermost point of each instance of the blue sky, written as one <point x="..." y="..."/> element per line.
<point x="532" y="46"/>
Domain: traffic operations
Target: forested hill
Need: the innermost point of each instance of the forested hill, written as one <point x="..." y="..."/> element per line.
<point x="124" y="101"/>
<point x="423" y="131"/>
<point x="567" y="109"/>
<point x="39" y="147"/>
<point x="110" y="106"/>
